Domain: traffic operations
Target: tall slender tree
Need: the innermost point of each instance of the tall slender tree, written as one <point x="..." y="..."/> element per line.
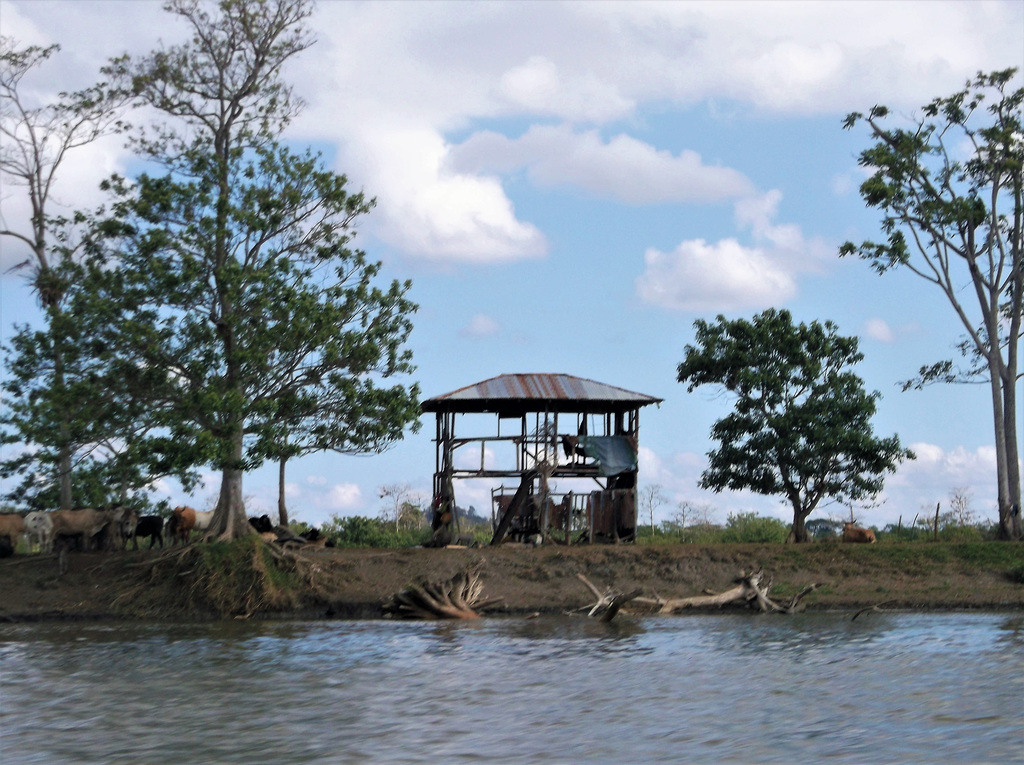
<point x="233" y="275"/>
<point x="951" y="191"/>
<point x="35" y="139"/>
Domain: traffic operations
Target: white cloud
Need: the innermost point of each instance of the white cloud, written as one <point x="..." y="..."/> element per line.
<point x="341" y="497"/>
<point x="879" y="329"/>
<point x="622" y="168"/>
<point x="480" y="326"/>
<point x="427" y="210"/>
<point x="726" y="275"/>
<point x="537" y="86"/>
<point x="387" y="83"/>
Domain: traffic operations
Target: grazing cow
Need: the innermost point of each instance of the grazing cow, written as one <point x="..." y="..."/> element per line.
<point x="180" y="524"/>
<point x="88" y="522"/>
<point x="6" y="548"/>
<point x="12" y="526"/>
<point x="39" y="529"/>
<point x="262" y="524"/>
<point x="856" y="534"/>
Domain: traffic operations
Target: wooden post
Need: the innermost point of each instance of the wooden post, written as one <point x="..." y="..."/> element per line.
<point x="936" y="532"/>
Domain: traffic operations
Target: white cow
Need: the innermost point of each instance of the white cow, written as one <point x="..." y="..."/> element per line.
<point x="203" y="520"/>
<point x="39" y="528"/>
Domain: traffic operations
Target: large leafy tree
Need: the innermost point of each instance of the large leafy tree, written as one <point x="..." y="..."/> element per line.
<point x="234" y="282"/>
<point x="92" y="417"/>
<point x="35" y="139"/>
<point x="801" y="425"/>
<point x="950" y="188"/>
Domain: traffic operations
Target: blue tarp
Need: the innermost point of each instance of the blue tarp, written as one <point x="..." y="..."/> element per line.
<point x="613" y="454"/>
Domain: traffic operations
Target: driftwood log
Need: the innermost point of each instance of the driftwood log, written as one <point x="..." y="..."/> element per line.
<point x="460" y="597"/>
<point x="608" y="602"/>
<point x="751" y="589"/>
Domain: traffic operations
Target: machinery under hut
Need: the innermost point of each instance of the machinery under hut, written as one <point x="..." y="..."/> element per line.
<point x="567" y="447"/>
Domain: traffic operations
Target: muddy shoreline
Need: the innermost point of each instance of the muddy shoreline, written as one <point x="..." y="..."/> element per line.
<point x="354" y="583"/>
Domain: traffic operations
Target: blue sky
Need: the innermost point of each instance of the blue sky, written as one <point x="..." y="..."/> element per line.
<point x="570" y="185"/>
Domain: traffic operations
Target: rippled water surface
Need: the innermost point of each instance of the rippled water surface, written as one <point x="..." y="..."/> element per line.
<point x="888" y="687"/>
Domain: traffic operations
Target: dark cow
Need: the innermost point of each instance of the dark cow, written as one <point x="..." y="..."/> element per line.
<point x="151" y="526"/>
<point x="262" y="524"/>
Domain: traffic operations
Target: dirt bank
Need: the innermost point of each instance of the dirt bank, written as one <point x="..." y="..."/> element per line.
<point x="345" y="583"/>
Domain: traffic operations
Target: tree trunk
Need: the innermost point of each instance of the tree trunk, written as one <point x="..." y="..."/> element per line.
<point x="229" y="520"/>
<point x="798" y="531"/>
<point x="1002" y="463"/>
<point x="1012" y="452"/>
<point x="282" y="509"/>
<point x="64" y="449"/>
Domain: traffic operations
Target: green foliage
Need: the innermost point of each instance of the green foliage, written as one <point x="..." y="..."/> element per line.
<point x="673" y="533"/>
<point x="1016" y="573"/>
<point x="801" y="425"/>
<point x="750" y="527"/>
<point x="359" y="531"/>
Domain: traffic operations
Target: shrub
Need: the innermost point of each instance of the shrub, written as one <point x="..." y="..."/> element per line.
<point x="358" y="531"/>
<point x="750" y="527"/>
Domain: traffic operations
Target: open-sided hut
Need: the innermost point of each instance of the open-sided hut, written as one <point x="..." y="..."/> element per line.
<point x="568" y="445"/>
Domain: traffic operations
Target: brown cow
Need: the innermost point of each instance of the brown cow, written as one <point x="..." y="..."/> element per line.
<point x="88" y="522"/>
<point x="12" y="526"/>
<point x="180" y="524"/>
<point x="856" y="534"/>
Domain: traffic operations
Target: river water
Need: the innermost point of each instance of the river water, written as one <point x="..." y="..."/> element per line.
<point x="886" y="687"/>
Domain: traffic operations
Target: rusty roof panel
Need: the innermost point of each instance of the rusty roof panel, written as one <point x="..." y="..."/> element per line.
<point x="528" y="392"/>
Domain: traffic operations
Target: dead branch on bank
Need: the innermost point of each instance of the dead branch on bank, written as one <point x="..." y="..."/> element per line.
<point x="751" y="589"/>
<point x="460" y="597"/>
<point x="608" y="602"/>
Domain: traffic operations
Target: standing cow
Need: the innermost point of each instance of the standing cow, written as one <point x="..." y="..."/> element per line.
<point x="12" y="526"/>
<point x="180" y="524"/>
<point x="151" y="526"/>
<point x="856" y="534"/>
<point x="39" y="529"/>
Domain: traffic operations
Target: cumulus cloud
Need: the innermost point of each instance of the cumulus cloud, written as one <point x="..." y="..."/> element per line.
<point x="388" y="83"/>
<point x="724" y="276"/>
<point x="426" y="209"/>
<point x="537" y="86"/>
<point x="480" y="326"/>
<point x="727" y="275"/>
<point x="622" y="168"/>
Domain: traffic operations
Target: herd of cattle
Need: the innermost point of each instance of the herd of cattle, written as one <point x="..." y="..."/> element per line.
<point x="116" y="528"/>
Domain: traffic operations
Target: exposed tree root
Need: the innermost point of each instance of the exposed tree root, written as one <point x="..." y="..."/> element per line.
<point x="239" y="579"/>
<point x="751" y="589"/>
<point x="460" y="597"/>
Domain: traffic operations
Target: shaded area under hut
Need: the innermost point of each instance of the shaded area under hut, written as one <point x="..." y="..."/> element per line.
<point x="563" y="450"/>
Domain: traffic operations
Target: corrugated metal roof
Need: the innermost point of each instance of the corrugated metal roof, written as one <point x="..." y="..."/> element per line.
<point x="528" y="391"/>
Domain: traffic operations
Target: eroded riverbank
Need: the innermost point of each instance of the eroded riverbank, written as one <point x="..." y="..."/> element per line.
<point x="355" y="582"/>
